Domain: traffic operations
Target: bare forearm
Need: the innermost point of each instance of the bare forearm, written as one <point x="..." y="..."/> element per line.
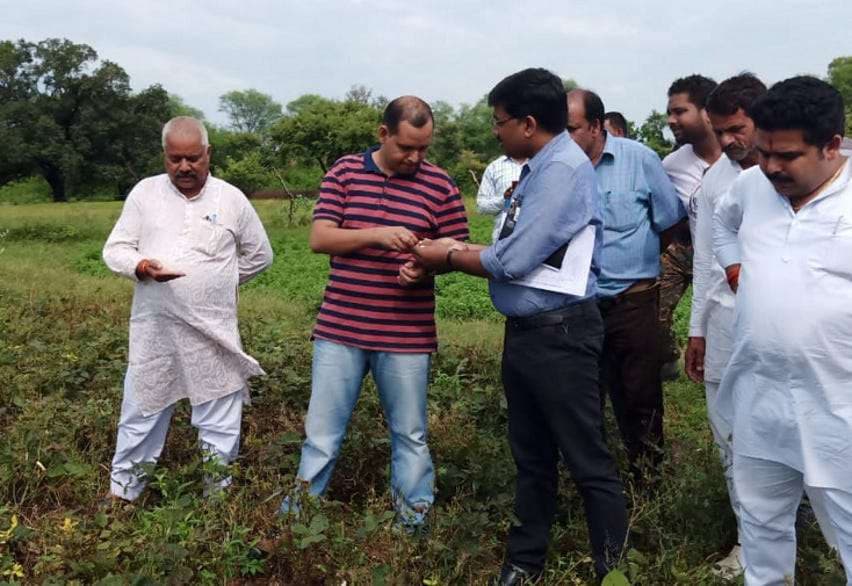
<point x="340" y="240"/>
<point x="467" y="261"/>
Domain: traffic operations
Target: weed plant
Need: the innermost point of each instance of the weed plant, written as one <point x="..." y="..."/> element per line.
<point x="63" y="349"/>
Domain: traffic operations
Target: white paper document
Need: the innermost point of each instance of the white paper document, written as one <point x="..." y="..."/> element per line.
<point x="572" y="277"/>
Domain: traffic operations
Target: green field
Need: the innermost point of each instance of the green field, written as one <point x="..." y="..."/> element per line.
<point x="63" y="338"/>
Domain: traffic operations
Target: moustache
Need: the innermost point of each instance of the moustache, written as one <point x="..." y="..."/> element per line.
<point x="186" y="175"/>
<point x="779" y="178"/>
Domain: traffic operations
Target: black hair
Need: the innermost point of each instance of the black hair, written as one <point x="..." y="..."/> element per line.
<point x="802" y="103"/>
<point x="533" y="92"/>
<point x="618" y="120"/>
<point x="593" y="105"/>
<point x="406" y="108"/>
<point x="735" y="93"/>
<point x="697" y="87"/>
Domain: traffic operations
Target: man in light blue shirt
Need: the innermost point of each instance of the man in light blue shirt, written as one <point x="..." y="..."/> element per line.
<point x="553" y="340"/>
<point x="639" y="204"/>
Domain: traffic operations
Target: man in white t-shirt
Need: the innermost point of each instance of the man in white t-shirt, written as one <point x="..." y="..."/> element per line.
<point x="686" y="166"/>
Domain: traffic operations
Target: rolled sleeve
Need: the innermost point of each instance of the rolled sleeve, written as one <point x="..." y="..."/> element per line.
<point x="545" y="222"/>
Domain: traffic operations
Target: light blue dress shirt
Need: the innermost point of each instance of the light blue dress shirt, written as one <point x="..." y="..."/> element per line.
<point x="558" y="199"/>
<point x="638" y="202"/>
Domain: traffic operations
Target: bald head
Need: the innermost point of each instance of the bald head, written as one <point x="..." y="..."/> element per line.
<point x="585" y="121"/>
<point x="589" y="104"/>
<point x="409" y="109"/>
<point x="185" y="128"/>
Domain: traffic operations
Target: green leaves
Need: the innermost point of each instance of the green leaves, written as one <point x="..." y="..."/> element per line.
<point x="615" y="578"/>
<point x="307" y="535"/>
<point x="84" y="125"/>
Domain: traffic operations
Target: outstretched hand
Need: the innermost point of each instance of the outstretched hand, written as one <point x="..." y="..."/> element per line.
<point x="431" y="254"/>
<point x="154" y="269"/>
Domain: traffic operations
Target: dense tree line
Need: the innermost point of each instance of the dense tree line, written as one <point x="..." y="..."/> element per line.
<point x="72" y="119"/>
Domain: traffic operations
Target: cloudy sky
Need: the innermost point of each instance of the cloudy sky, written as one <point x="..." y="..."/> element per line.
<point x="453" y="50"/>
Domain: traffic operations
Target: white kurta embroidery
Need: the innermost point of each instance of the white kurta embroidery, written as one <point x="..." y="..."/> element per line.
<point x="790" y="372"/>
<point x="184" y="341"/>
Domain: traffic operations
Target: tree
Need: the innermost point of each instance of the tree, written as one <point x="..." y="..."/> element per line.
<point x="248" y="173"/>
<point x="68" y="118"/>
<point x="359" y="93"/>
<point x="177" y="107"/>
<point x="651" y="134"/>
<point x="364" y="95"/>
<point x="569" y="84"/>
<point x="464" y="142"/>
<point x="840" y="76"/>
<point x="250" y="110"/>
<point x="321" y="130"/>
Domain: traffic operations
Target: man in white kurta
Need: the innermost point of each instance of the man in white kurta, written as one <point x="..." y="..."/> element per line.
<point x="789" y="223"/>
<point x="712" y="316"/>
<point x="188" y="240"/>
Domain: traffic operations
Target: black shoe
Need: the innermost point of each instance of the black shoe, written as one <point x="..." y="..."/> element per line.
<point x="512" y="575"/>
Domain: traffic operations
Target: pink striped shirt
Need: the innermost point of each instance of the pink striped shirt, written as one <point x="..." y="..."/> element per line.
<point x="364" y="305"/>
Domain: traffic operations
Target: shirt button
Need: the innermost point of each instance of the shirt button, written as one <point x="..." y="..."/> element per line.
<point x="785" y="258"/>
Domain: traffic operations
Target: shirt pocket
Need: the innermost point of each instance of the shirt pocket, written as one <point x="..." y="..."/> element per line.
<point x="834" y="255"/>
<point x="210" y="239"/>
<point x="623" y="210"/>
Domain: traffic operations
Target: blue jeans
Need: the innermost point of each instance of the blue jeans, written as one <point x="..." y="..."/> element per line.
<point x="401" y="379"/>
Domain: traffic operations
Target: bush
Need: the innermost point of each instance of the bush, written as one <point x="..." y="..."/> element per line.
<point x="248" y="173"/>
<point x="30" y="190"/>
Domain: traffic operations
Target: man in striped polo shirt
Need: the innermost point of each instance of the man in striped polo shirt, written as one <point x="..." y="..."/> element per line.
<point x="378" y="312"/>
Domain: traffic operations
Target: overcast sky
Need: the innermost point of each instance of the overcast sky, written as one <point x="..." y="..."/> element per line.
<point x="453" y="50"/>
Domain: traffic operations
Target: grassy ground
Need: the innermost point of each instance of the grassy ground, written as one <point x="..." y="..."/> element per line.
<point x="63" y="338"/>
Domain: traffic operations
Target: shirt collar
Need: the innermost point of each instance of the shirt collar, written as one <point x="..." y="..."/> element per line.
<point x="840" y="182"/>
<point x="543" y="155"/>
<point x="610" y="146"/>
<point x="369" y="163"/>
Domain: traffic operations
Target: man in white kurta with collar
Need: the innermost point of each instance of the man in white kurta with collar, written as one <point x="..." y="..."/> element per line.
<point x="789" y="380"/>
<point x="188" y="240"/>
<point x="712" y="318"/>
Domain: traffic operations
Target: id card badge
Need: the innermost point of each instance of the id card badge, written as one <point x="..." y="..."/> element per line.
<point x="511" y="219"/>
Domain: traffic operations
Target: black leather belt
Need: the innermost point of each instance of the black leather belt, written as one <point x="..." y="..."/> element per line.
<point x="552" y="318"/>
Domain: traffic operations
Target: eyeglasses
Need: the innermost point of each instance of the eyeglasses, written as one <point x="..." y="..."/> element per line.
<point x="495" y="123"/>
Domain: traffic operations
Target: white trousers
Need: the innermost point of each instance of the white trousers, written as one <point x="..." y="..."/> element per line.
<point x="722" y="438"/>
<point x="769" y="495"/>
<point x="141" y="438"/>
